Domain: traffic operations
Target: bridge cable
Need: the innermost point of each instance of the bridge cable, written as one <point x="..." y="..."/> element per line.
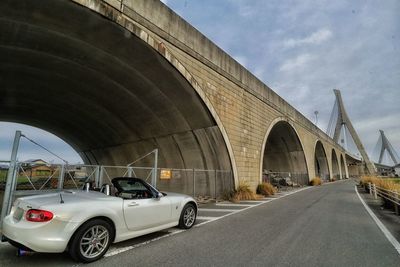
<point x="332" y="120"/>
<point x="39" y="145"/>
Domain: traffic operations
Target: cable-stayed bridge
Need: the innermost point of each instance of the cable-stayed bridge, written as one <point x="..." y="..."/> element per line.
<point x="340" y="128"/>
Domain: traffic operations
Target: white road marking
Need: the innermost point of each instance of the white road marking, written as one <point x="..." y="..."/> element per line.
<point x="206" y="218"/>
<point x="253" y="206"/>
<point x="251" y="201"/>
<point x="174" y="231"/>
<point x="113" y="252"/>
<point x="233" y="205"/>
<point x="381" y="226"/>
<point x="220" y="210"/>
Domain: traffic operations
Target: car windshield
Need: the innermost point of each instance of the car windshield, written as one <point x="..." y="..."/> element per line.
<point x="129" y="185"/>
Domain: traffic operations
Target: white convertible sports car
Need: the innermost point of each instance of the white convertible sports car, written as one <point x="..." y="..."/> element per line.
<point x="86" y="222"/>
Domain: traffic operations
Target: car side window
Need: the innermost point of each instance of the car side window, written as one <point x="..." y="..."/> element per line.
<point x="132" y="189"/>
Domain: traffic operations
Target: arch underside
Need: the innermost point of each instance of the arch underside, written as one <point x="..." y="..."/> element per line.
<point x="354" y="167"/>
<point x="100" y="88"/>
<point x="342" y="167"/>
<point x="321" y="162"/>
<point x="335" y="166"/>
<point x="284" y="154"/>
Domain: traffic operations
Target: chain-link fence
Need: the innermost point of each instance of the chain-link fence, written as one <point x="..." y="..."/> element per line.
<point x="38" y="178"/>
<point x="286" y="179"/>
<point x="198" y="183"/>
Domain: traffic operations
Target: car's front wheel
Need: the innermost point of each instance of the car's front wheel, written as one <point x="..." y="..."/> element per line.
<point x="188" y="216"/>
<point x="91" y="241"/>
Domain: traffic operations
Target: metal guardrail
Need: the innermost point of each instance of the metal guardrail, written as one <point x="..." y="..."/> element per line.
<point x="388" y="195"/>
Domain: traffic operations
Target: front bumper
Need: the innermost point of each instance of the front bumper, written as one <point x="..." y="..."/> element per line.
<point x="49" y="237"/>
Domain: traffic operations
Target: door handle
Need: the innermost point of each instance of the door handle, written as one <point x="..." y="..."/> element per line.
<point x="133" y="204"/>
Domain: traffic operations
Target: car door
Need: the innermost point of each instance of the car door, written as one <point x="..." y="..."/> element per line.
<point x="147" y="213"/>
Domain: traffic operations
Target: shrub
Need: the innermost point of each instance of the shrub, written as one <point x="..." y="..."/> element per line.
<point x="315" y="181"/>
<point x="387" y="184"/>
<point x="243" y="192"/>
<point x="266" y="189"/>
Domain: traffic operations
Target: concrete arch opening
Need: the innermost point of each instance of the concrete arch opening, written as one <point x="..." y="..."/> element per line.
<point x="335" y="166"/>
<point x="321" y="162"/>
<point x="342" y="167"/>
<point x="103" y="90"/>
<point x="283" y="154"/>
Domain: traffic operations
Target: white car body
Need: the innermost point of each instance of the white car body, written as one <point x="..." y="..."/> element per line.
<point x="130" y="217"/>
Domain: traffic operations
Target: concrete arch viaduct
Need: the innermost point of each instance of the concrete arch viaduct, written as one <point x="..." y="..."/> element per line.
<point x="116" y="79"/>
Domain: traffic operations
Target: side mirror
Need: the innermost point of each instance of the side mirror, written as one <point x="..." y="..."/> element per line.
<point x="159" y="195"/>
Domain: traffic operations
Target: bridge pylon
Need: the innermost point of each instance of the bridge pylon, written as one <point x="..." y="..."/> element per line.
<point x="344" y="121"/>
<point x="386" y="145"/>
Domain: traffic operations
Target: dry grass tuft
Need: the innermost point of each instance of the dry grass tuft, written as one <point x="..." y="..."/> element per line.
<point x="383" y="183"/>
<point x="243" y="192"/>
<point x="266" y="189"/>
<point x="316" y="181"/>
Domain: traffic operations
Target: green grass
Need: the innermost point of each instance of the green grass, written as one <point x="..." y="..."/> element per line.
<point x="395" y="180"/>
<point x="21" y="178"/>
<point x="3" y="175"/>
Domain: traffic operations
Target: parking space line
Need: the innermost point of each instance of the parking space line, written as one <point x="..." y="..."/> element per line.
<point x="206" y="218"/>
<point x="219" y="210"/>
<point x="252" y="201"/>
<point x="232" y="205"/>
<point x="113" y="252"/>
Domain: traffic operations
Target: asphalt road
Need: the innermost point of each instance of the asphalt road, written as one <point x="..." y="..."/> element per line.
<point x="321" y="226"/>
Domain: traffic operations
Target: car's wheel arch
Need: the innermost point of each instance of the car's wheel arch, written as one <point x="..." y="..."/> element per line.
<point x="104" y="218"/>
<point x="193" y="203"/>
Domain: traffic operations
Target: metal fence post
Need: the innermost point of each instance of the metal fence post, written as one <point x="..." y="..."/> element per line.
<point x="14" y="181"/>
<point x="154" y="174"/>
<point x="396" y="207"/>
<point x="7" y="198"/>
<point x="370" y="188"/>
<point x="130" y="171"/>
<point x="97" y="176"/>
<point x="215" y="184"/>
<point x="61" y="177"/>
<point x="375" y="194"/>
<point x="194" y="182"/>
<point x="101" y="176"/>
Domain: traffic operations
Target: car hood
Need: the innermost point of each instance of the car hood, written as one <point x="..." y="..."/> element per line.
<point x="67" y="197"/>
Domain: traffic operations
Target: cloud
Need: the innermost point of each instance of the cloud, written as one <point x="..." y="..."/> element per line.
<point x="296" y="63"/>
<point x="315" y="38"/>
<point x="304" y="49"/>
<point x="28" y="150"/>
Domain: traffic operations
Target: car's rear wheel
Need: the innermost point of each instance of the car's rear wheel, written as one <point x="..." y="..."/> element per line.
<point x="91" y="241"/>
<point x="188" y="216"/>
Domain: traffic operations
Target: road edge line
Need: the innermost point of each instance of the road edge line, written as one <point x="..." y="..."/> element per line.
<point x="381" y="226"/>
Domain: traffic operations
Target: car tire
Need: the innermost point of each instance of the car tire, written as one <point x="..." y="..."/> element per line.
<point x="91" y="241"/>
<point x="188" y="216"/>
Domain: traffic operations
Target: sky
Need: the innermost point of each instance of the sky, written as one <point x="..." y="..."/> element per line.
<point x="302" y="50"/>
